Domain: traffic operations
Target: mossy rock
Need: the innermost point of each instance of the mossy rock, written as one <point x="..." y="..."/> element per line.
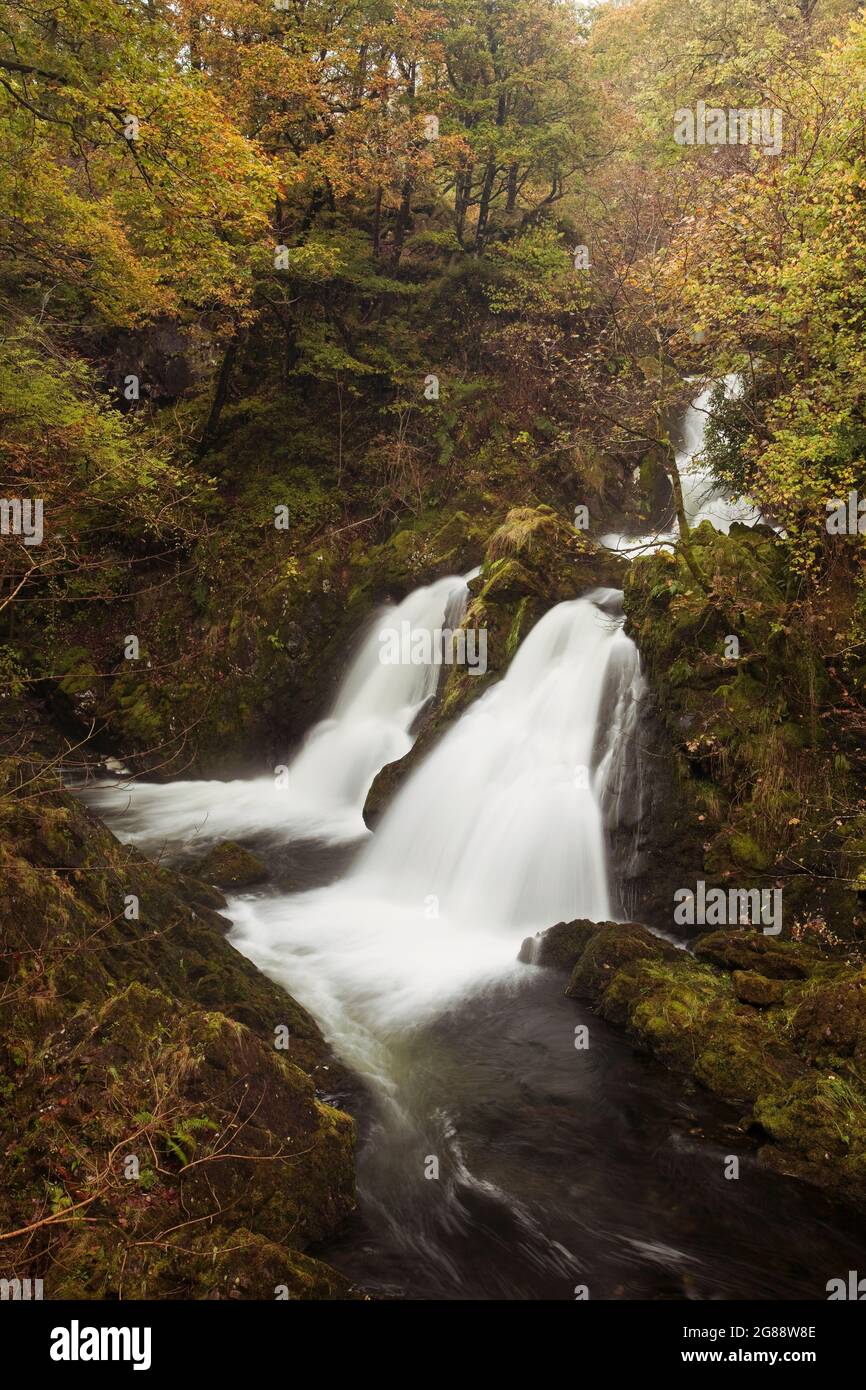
<point x="559" y="947"/>
<point x="747" y="852"/>
<point x="830" y="1022"/>
<point x="754" y="736"/>
<point x="238" y="1265"/>
<point x="230" y="865"/>
<point x="822" y="1117"/>
<point x="613" y="946"/>
<point x="761" y="955"/>
<point x="758" y="990"/>
<point x="743" y="1058"/>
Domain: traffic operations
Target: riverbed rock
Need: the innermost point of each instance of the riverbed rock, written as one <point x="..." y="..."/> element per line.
<point x="559" y="947"/>
<point x="230" y="865"/>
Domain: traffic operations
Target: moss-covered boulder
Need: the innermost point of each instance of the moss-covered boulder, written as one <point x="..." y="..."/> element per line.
<point x="751" y="988"/>
<point x="830" y="1022"/>
<point x="610" y="949"/>
<point x="230" y="865"/>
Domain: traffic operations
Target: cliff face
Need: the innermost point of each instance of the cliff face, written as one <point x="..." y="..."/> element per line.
<point x="753" y="733"/>
<point x="164" y="1132"/>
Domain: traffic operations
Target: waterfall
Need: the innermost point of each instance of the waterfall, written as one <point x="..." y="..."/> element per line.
<point x="503" y="822"/>
<point x="320" y="795"/>
<point x="499" y="832"/>
<point x="703" y="498"/>
<point x="376" y="710"/>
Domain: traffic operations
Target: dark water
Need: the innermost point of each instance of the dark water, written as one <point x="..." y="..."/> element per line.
<point x="560" y="1167"/>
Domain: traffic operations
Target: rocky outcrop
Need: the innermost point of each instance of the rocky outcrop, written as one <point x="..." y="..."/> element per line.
<point x="229" y="865"/>
<point x="776" y="1027"/>
<point x="753" y="760"/>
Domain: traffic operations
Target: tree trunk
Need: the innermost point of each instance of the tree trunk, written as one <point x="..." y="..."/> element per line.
<point x="404" y="214"/>
<point x="221" y="392"/>
<point x="377" y="223"/>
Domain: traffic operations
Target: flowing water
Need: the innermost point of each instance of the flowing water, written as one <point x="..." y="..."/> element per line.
<point x="703" y="498"/>
<point x="497" y="1159"/>
<point x="498" y="834"/>
<point x="320" y="795"/>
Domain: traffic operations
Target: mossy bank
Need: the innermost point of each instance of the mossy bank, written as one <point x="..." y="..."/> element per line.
<point x="169" y="1128"/>
<point x="777" y="1028"/>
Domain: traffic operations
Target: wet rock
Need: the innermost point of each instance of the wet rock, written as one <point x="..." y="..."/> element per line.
<point x="559" y="947"/>
<point x="229" y="865"/>
<point x="613" y="947"/>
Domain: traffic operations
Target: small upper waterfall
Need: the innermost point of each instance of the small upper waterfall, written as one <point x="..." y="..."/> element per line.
<point x="321" y="793"/>
<point x="703" y="498"/>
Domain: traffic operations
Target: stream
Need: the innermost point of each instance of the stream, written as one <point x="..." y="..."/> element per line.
<point x="497" y="1159"/>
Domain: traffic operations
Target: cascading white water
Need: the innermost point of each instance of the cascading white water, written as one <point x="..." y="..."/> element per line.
<point x="321" y="794"/>
<point x="703" y="498"/>
<point x="502" y="823"/>
<point x="499" y="832"/>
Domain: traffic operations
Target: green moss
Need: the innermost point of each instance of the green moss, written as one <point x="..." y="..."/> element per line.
<point x="152" y="1039"/>
<point x="229" y="865"/>
<point x="769" y="1024"/>
<point x="747" y="853"/>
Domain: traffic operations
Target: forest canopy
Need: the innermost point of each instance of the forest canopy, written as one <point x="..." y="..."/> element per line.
<point x="380" y="262"/>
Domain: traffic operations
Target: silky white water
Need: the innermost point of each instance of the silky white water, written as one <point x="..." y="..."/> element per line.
<point x="320" y="795"/>
<point x="497" y="834"/>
